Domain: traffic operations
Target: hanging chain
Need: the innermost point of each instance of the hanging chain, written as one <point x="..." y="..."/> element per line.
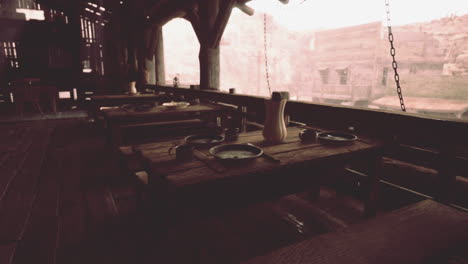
<point x="393" y="53"/>
<point x="266" y="52"/>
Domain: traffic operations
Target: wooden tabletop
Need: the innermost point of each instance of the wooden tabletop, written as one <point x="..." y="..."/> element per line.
<point x="292" y="154"/>
<point x="105" y="97"/>
<point x="155" y="111"/>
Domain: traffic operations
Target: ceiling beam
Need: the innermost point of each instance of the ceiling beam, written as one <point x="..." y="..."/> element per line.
<point x="221" y="21"/>
<point x="245" y="8"/>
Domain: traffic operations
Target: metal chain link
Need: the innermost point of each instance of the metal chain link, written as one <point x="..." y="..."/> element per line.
<point x="393" y="53"/>
<point x="266" y="52"/>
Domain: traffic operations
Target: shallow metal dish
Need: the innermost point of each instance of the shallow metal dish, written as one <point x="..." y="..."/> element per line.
<point x="175" y="105"/>
<point x="336" y="137"/>
<point x="236" y="152"/>
<point x="204" y="140"/>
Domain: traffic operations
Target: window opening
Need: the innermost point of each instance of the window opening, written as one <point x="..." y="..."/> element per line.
<point x="343" y="75"/>
<point x="324" y="75"/>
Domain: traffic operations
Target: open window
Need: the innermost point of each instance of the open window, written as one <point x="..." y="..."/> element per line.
<point x="343" y="75"/>
<point x="324" y="75"/>
<point x="181" y="48"/>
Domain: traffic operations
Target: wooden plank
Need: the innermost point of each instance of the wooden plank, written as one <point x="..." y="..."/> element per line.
<point x="252" y="137"/>
<point x="341" y="117"/>
<point x="18" y="199"/>
<point x="414" y="155"/>
<point x="101" y="207"/>
<point x="42" y="226"/>
<point x="158" y="111"/>
<point x="6" y="253"/>
<point x="71" y="233"/>
<point x="177" y="123"/>
<point x="10" y="168"/>
<point x="186" y="180"/>
<point x="311" y="216"/>
<point x="288" y="156"/>
<point x="259" y="229"/>
<point x="108" y="97"/>
<point x="399" y="237"/>
<point x="71" y="212"/>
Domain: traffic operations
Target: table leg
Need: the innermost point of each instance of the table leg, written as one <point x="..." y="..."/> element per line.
<point x="373" y="188"/>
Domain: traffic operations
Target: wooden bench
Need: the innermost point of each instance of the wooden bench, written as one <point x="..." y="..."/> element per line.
<point x="413" y="234"/>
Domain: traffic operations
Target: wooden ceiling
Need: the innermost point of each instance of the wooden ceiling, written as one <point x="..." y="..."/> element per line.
<point x="158" y="11"/>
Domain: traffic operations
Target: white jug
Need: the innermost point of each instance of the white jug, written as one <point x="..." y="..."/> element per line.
<point x="274" y="130"/>
<point x="131" y="89"/>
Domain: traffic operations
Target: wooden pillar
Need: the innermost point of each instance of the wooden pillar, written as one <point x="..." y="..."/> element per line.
<point x="116" y="46"/>
<point x="151" y="56"/>
<point x="159" y="67"/>
<point x="75" y="35"/>
<point x="213" y="17"/>
<point x="209" y="68"/>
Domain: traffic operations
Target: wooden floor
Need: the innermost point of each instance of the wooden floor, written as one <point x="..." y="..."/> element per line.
<point x="63" y="200"/>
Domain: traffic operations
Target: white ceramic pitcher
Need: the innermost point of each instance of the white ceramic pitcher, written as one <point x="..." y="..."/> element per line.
<point x="274" y="130"/>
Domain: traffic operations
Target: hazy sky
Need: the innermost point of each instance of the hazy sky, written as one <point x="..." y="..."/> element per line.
<point x="313" y="14"/>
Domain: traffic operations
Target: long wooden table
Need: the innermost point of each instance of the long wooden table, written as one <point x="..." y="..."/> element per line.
<point x="206" y="181"/>
<point x="117" y="99"/>
<point x="119" y="118"/>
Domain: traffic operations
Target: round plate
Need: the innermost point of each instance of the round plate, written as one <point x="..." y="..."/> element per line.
<point x="204" y="140"/>
<point x="236" y="152"/>
<point x="336" y="137"/>
<point x="175" y="105"/>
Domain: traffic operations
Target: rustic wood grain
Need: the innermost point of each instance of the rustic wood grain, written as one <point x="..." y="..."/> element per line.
<point x="20" y="191"/>
<point x="419" y="136"/>
<point x="157" y="111"/>
<point x="399" y="237"/>
<point x="6" y="253"/>
<point x="198" y="181"/>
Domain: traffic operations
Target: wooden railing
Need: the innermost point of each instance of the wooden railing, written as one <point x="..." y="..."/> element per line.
<point x="438" y="144"/>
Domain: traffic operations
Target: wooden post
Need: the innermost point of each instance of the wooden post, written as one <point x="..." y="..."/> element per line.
<point x="75" y="28"/>
<point x="209" y="25"/>
<point x="151" y="56"/>
<point x="160" y="72"/>
<point x="209" y="68"/>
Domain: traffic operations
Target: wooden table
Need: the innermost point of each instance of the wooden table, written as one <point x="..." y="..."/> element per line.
<point x="205" y="180"/>
<point x="119" y="118"/>
<point x="123" y="98"/>
<point x="98" y="101"/>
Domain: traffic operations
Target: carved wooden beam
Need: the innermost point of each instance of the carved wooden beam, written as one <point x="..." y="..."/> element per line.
<point x="157" y="5"/>
<point x="221" y="22"/>
<point x="194" y="19"/>
<point x="166" y="10"/>
<point x="245" y="8"/>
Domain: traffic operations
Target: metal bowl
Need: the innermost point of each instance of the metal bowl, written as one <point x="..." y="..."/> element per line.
<point x="236" y="152"/>
<point x="336" y="137"/>
<point x="204" y="140"/>
<point x="175" y="105"/>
